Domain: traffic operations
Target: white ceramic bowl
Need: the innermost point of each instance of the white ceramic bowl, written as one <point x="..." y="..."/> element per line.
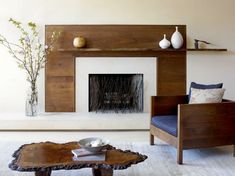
<point x="93" y="144"/>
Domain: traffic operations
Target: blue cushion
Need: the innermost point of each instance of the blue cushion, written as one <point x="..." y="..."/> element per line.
<point x="203" y="86"/>
<point x="166" y="123"/>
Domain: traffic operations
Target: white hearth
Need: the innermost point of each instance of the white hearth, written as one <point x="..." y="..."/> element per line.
<point x="74" y="121"/>
<point x="84" y="120"/>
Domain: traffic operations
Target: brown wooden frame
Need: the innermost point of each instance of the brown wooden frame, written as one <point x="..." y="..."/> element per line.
<point x="111" y="41"/>
<point x="199" y="125"/>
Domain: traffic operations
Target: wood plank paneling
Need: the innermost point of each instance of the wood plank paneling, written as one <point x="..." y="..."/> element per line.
<point x="60" y="83"/>
<point x="115" y="36"/>
<point x="111" y="41"/>
<point x="171" y="75"/>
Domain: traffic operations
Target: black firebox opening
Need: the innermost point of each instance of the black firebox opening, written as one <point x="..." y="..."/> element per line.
<point x="116" y="93"/>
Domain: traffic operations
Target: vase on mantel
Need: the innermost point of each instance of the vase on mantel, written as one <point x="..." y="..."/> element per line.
<point x="164" y="43"/>
<point x="177" y="39"/>
<point x="31" y="104"/>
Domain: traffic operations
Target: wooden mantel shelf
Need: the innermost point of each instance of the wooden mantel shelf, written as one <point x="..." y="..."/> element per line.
<point x="118" y="49"/>
<point x="207" y="49"/>
<point x="138" y="50"/>
<point x="97" y="52"/>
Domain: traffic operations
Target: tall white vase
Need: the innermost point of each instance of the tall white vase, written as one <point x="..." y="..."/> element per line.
<point x="177" y="39"/>
<point x="164" y="43"/>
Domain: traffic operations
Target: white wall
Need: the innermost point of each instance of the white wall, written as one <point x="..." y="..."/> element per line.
<point x="211" y="20"/>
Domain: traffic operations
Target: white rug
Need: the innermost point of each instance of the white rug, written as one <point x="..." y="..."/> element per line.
<point x="161" y="162"/>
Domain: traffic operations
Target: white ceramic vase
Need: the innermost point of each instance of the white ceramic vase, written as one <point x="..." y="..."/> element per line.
<point x="177" y="39"/>
<point x="164" y="43"/>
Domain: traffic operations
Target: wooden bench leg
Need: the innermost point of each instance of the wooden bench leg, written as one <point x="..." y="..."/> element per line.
<point x="102" y="172"/>
<point x="151" y="139"/>
<point x="43" y="173"/>
<point x="233" y="150"/>
<point x="179" y="155"/>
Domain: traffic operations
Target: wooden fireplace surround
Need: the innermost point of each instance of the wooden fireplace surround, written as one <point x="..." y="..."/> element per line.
<point x="111" y="41"/>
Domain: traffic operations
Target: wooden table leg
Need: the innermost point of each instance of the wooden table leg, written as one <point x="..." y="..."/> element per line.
<point x="102" y="172"/>
<point x="43" y="173"/>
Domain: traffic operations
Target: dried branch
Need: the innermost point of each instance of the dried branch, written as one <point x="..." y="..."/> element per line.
<point x="30" y="53"/>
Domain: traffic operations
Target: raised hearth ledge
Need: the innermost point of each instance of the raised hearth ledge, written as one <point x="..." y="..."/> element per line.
<point x="74" y="122"/>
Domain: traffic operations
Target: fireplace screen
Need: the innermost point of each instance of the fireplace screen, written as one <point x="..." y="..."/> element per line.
<point x="116" y="92"/>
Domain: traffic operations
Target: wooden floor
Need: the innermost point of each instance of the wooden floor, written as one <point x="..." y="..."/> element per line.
<point x="161" y="162"/>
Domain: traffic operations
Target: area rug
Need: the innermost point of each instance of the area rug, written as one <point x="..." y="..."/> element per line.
<point x="161" y="161"/>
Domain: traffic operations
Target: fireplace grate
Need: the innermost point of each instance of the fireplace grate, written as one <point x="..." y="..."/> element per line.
<point x="116" y="93"/>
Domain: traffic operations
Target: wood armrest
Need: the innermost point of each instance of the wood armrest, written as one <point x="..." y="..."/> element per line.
<point x="210" y="120"/>
<point x="166" y="105"/>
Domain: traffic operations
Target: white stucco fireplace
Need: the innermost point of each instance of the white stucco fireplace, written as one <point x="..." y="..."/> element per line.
<point x="114" y="65"/>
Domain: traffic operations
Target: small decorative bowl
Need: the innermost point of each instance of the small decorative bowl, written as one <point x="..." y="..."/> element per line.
<point x="79" y="42"/>
<point x="93" y="144"/>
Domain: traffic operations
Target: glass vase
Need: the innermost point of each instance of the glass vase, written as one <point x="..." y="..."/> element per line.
<point x="31" y="104"/>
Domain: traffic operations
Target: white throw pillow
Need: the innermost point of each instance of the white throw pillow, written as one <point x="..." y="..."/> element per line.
<point x="206" y="95"/>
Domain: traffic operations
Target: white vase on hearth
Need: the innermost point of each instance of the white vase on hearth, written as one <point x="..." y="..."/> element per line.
<point x="177" y="40"/>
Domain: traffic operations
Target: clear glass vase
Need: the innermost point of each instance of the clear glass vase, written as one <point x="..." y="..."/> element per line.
<point x="31" y="104"/>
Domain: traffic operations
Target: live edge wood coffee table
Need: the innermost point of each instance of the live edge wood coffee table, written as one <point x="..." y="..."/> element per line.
<point x="42" y="158"/>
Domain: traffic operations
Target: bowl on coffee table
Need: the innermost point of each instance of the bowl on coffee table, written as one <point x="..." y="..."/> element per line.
<point x="93" y="144"/>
